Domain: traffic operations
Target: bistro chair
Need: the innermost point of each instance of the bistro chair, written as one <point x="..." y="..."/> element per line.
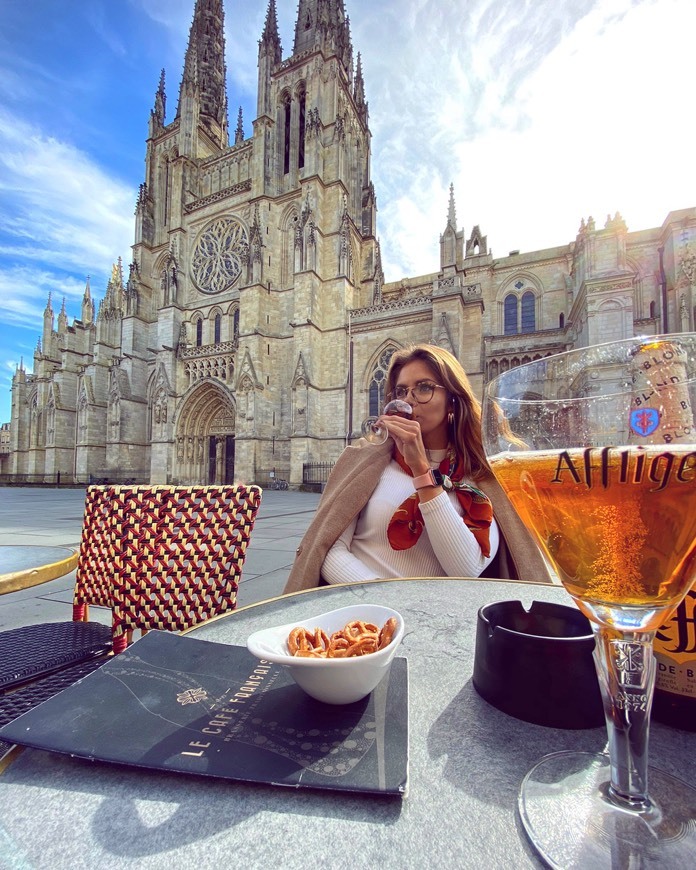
<point x="164" y="557"/>
<point x="35" y="651"/>
<point x="178" y="554"/>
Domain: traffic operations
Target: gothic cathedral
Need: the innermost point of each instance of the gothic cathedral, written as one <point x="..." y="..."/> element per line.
<point x="253" y="329"/>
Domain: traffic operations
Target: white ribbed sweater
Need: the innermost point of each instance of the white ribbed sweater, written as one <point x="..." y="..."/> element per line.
<point x="446" y="547"/>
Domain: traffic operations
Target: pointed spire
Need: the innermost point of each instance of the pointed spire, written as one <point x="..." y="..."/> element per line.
<point x="345" y="45"/>
<point x="452" y="213"/>
<point x="378" y="279"/>
<point x="62" y="318"/>
<point x="112" y="303"/>
<point x="323" y="23"/>
<point x="204" y="76"/>
<point x="270" y="38"/>
<point x="159" y="111"/>
<point x="87" y="305"/>
<point x="48" y="324"/>
<point x="239" y="132"/>
<point x="359" y="90"/>
<point x="117" y="274"/>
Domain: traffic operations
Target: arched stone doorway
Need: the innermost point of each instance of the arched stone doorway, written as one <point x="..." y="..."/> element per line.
<point x="205" y="432"/>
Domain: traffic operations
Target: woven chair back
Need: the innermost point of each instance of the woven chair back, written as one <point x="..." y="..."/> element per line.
<point x="179" y="553"/>
<point x="95" y="567"/>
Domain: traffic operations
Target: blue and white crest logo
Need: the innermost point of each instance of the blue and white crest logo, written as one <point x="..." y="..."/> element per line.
<point x="644" y="421"/>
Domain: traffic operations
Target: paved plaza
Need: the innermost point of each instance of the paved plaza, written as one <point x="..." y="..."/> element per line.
<point x="53" y="517"/>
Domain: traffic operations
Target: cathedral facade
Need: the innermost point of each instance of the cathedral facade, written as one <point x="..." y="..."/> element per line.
<point x="252" y="331"/>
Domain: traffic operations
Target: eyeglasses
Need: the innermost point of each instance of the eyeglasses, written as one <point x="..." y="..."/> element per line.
<point x="422" y="392"/>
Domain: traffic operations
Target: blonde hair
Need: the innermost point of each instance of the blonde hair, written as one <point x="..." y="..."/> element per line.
<point x="465" y="428"/>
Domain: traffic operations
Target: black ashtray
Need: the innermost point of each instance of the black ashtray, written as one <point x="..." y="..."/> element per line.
<point x="537" y="665"/>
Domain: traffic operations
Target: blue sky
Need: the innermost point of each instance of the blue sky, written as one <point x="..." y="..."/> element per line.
<point x="540" y="112"/>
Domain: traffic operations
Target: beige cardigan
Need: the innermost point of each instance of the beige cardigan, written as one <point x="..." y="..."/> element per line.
<point x="350" y="485"/>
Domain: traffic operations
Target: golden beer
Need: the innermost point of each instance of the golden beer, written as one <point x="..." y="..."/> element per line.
<point x="618" y="523"/>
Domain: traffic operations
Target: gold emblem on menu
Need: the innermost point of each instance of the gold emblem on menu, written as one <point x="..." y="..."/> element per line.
<point x="192" y="696"/>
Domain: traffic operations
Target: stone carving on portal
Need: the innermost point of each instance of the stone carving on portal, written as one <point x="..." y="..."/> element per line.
<point x="345" y="250"/>
<point x="246" y="398"/>
<point x="114" y="431"/>
<point x="169" y="280"/>
<point x="84" y="400"/>
<point x="443" y="337"/>
<point x="255" y="265"/>
<point x="159" y="403"/>
<point x="34" y="423"/>
<point x="50" y="422"/>
<point x="305" y="239"/>
<point x="300" y="398"/>
<point x="132" y="292"/>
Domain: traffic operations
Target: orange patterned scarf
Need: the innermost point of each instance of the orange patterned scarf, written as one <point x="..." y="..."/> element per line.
<point x="406" y="525"/>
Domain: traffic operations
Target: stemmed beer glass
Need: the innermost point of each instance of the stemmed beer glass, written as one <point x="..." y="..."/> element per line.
<point x="376" y="434"/>
<point x="596" y="449"/>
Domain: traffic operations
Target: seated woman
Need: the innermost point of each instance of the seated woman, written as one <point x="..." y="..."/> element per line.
<point x="424" y="503"/>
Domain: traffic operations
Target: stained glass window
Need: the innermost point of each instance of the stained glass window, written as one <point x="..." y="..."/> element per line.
<point x="378" y="381"/>
<point x="219" y="255"/>
<point x="528" y="315"/>
<point x="510" y="326"/>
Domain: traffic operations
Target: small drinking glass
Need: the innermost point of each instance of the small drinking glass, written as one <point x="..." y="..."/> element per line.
<point x="371" y="429"/>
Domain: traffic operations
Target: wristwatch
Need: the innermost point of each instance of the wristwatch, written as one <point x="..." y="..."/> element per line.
<point x="433" y="477"/>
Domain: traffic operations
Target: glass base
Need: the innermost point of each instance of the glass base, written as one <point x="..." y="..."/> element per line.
<point x="572" y="823"/>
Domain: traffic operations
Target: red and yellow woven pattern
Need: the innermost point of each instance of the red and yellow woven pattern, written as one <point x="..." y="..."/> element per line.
<point x="94" y="575"/>
<point x="173" y="555"/>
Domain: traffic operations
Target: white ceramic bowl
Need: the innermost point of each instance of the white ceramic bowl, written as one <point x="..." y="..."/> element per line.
<point x="333" y="681"/>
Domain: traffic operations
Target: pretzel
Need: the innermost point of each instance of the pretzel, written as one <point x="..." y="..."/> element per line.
<point x="387" y="632"/>
<point x="356" y="638"/>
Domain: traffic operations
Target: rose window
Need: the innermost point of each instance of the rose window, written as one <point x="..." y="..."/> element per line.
<point x="219" y="255"/>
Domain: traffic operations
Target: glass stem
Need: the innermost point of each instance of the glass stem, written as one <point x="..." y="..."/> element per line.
<point x="626" y="671"/>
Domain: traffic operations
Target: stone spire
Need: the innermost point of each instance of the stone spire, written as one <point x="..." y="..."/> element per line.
<point x="112" y="304"/>
<point x="87" y="305"/>
<point x="159" y="111"/>
<point x="359" y="91"/>
<point x="270" y="55"/>
<point x="451" y="241"/>
<point x="323" y="24"/>
<point x="204" y="78"/>
<point x="452" y="213"/>
<point x="47" y="324"/>
<point x="270" y="38"/>
<point x="239" y="132"/>
<point x="63" y="318"/>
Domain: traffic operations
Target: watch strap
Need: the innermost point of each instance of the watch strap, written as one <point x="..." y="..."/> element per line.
<point x="423" y="480"/>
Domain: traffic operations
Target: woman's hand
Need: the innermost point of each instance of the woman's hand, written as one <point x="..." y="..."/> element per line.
<point x="408" y="438"/>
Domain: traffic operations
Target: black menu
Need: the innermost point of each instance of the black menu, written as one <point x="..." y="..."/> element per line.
<point x="176" y="703"/>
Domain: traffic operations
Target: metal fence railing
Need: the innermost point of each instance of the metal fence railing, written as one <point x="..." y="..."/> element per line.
<point x="316" y="472"/>
<point x="62" y="478"/>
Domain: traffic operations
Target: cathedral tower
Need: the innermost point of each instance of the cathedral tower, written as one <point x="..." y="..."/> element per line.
<point x="248" y="256"/>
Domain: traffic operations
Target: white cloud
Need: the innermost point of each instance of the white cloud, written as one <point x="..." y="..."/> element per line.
<point x="58" y="206"/>
<point x="540" y="114"/>
<point x="25" y="289"/>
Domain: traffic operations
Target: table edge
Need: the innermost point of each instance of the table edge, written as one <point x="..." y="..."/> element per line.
<point x="28" y="577"/>
<point x="359" y="583"/>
